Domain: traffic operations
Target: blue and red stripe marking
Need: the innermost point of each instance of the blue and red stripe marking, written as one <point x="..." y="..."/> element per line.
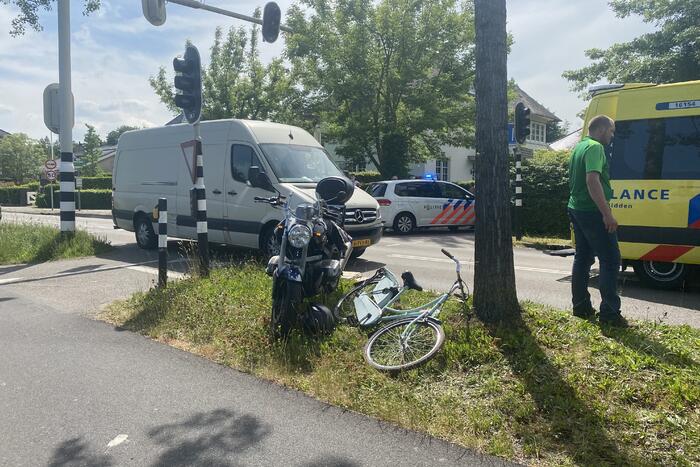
<point x="694" y="212"/>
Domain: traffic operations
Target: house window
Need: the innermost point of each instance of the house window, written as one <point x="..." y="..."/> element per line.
<point x="442" y="169"/>
<point x="538" y="132"/>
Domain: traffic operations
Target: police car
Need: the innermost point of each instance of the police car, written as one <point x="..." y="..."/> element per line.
<point x="409" y="204"/>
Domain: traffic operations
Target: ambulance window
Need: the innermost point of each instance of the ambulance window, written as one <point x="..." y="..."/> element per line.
<point x="657" y="149"/>
<point x="242" y="158"/>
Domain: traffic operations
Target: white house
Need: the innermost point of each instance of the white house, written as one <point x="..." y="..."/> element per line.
<point x="458" y="164"/>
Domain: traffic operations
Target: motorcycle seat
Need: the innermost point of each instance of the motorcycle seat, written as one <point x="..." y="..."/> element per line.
<point x="410" y="281"/>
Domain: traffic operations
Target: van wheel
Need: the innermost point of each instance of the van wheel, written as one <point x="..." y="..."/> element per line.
<point x="404" y="223"/>
<point x="356" y="253"/>
<point x="453" y="228"/>
<point x="268" y="242"/>
<point x="661" y="275"/>
<point x="145" y="236"/>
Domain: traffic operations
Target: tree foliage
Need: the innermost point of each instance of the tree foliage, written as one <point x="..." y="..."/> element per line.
<point x="29" y="13"/>
<point x="20" y="158"/>
<point x="669" y="54"/>
<point x="88" y="162"/>
<point x="113" y="136"/>
<point x="386" y="73"/>
<point x="237" y="85"/>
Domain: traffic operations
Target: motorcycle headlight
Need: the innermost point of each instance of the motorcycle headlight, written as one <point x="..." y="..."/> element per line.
<point x="299" y="236"/>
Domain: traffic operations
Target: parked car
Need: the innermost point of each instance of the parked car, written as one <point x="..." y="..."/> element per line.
<point x="409" y="204"/>
<point x="158" y="162"/>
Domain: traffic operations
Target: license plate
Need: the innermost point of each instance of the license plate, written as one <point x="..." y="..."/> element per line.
<point x="363" y="242"/>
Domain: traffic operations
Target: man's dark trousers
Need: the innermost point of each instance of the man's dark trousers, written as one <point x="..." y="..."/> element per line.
<point x="592" y="239"/>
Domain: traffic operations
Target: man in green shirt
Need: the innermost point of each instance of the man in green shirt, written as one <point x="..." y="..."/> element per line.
<point x="594" y="224"/>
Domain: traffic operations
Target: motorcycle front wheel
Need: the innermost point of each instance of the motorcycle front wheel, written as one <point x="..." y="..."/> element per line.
<point x="286" y="296"/>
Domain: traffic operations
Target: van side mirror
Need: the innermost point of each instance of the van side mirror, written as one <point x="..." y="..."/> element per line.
<point x="259" y="179"/>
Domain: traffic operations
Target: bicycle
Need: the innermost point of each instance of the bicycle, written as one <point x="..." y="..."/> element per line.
<point x="410" y="337"/>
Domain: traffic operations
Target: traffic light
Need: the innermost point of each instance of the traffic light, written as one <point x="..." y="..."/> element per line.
<point x="522" y="122"/>
<point x="188" y="83"/>
<point x="272" y="16"/>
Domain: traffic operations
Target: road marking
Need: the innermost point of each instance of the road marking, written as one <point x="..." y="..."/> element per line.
<point x="119" y="439"/>
<point x="10" y="280"/>
<point x="152" y="270"/>
<point x="471" y="263"/>
<point x="395" y="244"/>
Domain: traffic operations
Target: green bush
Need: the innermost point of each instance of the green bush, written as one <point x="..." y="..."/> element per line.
<point x="97" y="183"/>
<point x="546" y="193"/>
<point x="12" y="195"/>
<point x="89" y="199"/>
<point x="467" y="185"/>
<point x="368" y="176"/>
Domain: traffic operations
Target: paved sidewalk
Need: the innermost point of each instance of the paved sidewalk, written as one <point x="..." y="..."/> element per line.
<point x="101" y="213"/>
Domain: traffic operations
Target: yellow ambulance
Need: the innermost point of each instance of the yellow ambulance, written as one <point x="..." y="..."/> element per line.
<point x="654" y="164"/>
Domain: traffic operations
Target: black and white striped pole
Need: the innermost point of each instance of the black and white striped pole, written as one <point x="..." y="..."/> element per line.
<point x="188" y="83"/>
<point x="202" y="228"/>
<point x="518" y="194"/>
<point x="66" y="169"/>
<point x="162" y="242"/>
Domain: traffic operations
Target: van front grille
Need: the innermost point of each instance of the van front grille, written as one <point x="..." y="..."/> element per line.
<point x="365" y="216"/>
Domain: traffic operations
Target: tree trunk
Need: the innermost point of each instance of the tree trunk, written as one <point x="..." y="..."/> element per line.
<point x="495" y="297"/>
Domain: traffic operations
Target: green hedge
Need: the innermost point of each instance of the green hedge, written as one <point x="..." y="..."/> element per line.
<point x="367" y="177"/>
<point x="97" y="183"/>
<point x="12" y="195"/>
<point x="546" y="193"/>
<point x="467" y="185"/>
<point x="89" y="199"/>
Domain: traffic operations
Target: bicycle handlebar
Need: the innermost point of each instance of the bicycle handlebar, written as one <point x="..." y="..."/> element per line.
<point x="448" y="254"/>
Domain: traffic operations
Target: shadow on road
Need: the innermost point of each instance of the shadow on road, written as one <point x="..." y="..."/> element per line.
<point x="7" y="299"/>
<point x="573" y="426"/>
<point x="208" y="438"/>
<point x="331" y="461"/>
<point x="76" y="451"/>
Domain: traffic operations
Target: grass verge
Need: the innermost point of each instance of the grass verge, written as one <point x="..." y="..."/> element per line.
<point x="35" y="243"/>
<point x="543" y="243"/>
<point x="549" y="390"/>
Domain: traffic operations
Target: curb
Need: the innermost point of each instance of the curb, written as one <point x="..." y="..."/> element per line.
<point x="56" y="212"/>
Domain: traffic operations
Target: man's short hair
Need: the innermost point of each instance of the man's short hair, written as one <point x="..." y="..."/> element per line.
<point x="600" y="122"/>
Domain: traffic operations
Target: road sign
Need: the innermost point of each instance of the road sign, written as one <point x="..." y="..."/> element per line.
<point x="51" y="175"/>
<point x="79" y="182"/>
<point x="50" y="164"/>
<point x="511" y="135"/>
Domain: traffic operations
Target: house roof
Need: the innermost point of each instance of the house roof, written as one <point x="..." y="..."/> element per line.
<point x="179" y="119"/>
<point x="3" y="133"/>
<point x="567" y="142"/>
<point x="535" y="107"/>
<point x="107" y="152"/>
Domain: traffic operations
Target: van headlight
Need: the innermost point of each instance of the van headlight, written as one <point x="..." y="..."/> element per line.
<point x="299" y="236"/>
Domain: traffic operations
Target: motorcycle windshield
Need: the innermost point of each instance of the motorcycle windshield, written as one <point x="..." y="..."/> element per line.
<point x="299" y="164"/>
<point x="301" y="209"/>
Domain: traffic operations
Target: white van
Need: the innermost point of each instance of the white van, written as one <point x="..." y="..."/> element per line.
<point x="158" y="162"/>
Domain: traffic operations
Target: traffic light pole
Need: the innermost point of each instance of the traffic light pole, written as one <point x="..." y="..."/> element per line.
<point x="201" y="219"/>
<point x="67" y="169"/>
<point x="518" y="194"/>
<point x="221" y="11"/>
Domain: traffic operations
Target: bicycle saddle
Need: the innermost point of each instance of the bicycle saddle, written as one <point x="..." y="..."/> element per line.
<point x="410" y="281"/>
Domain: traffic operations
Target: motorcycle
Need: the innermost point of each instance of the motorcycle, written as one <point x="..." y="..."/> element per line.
<point x="314" y="249"/>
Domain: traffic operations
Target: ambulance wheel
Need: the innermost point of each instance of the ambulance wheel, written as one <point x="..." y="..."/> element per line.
<point x="145" y="235"/>
<point x="660" y="274"/>
<point x="453" y="228"/>
<point x="404" y="223"/>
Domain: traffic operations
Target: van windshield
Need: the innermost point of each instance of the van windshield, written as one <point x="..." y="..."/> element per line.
<point x="299" y="164"/>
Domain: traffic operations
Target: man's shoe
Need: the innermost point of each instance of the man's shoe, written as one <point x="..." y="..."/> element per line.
<point x="618" y="321"/>
<point x="585" y="313"/>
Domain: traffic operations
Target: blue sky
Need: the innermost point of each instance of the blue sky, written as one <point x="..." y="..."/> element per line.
<point x="115" y="50"/>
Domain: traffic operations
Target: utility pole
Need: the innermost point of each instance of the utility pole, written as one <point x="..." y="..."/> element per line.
<point x="67" y="169"/>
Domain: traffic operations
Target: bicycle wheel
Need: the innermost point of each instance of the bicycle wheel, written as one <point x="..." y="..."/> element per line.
<point x="385" y="350"/>
<point x="344" y="310"/>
